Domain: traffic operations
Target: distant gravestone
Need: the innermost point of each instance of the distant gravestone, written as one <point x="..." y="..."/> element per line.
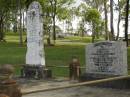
<point x="108" y="58"/>
<point x="35" y="52"/>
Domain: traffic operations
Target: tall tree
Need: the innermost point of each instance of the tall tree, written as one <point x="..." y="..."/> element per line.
<point x="120" y="8"/>
<point x="66" y="15"/>
<point x="5" y="8"/>
<point x="20" y="23"/>
<point x="81" y="28"/>
<point x="80" y="12"/>
<point x="111" y="21"/>
<point x="101" y="6"/>
<point x="126" y="22"/>
<point x="93" y="17"/>
<point x="55" y="6"/>
<point x="54" y="9"/>
<point x="106" y="19"/>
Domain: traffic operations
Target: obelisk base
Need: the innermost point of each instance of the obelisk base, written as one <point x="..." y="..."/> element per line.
<point x="33" y="71"/>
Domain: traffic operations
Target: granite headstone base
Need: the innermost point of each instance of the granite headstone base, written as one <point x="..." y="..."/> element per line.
<point x="94" y="76"/>
<point x="117" y="84"/>
<point x="35" y="72"/>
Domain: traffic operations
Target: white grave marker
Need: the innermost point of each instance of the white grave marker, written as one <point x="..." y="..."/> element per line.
<point x="106" y="58"/>
<point x="35" y="47"/>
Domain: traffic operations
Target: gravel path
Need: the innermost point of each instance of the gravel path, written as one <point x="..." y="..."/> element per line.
<point x="83" y="91"/>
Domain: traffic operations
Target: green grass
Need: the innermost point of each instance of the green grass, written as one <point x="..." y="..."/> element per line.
<point x="59" y="55"/>
<point x="13" y="37"/>
<point x="82" y="39"/>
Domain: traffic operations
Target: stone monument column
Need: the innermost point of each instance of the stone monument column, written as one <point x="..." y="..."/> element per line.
<point x="35" y="53"/>
<point x="35" y="59"/>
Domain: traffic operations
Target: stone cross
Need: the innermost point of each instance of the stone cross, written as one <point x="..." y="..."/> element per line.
<point x="106" y="58"/>
<point x="35" y="47"/>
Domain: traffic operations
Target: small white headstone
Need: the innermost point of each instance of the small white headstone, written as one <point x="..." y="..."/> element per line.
<point x="35" y="47"/>
<point x="106" y="58"/>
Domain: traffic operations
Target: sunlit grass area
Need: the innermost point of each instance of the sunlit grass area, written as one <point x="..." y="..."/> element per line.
<point x="83" y="39"/>
<point x="59" y="55"/>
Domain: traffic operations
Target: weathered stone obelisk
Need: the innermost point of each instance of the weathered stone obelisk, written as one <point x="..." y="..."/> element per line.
<point x="35" y="59"/>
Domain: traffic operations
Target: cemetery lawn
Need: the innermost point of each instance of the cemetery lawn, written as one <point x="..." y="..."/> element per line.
<point x="58" y="55"/>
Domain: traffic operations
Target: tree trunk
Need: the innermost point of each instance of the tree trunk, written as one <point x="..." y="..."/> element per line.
<point x="20" y="26"/>
<point x="53" y="5"/>
<point x="23" y="20"/>
<point x="93" y="37"/>
<point x="126" y="23"/>
<point x="118" y="24"/>
<point x="83" y="23"/>
<point x="54" y="31"/>
<point x="106" y="20"/>
<point x="15" y="22"/>
<point x="49" y="39"/>
<point x="111" y="22"/>
<point x="82" y="33"/>
<point x="93" y="33"/>
<point x="1" y="29"/>
<point x="97" y="35"/>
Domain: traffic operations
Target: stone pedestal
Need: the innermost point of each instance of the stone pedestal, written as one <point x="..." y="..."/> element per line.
<point x="33" y="71"/>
